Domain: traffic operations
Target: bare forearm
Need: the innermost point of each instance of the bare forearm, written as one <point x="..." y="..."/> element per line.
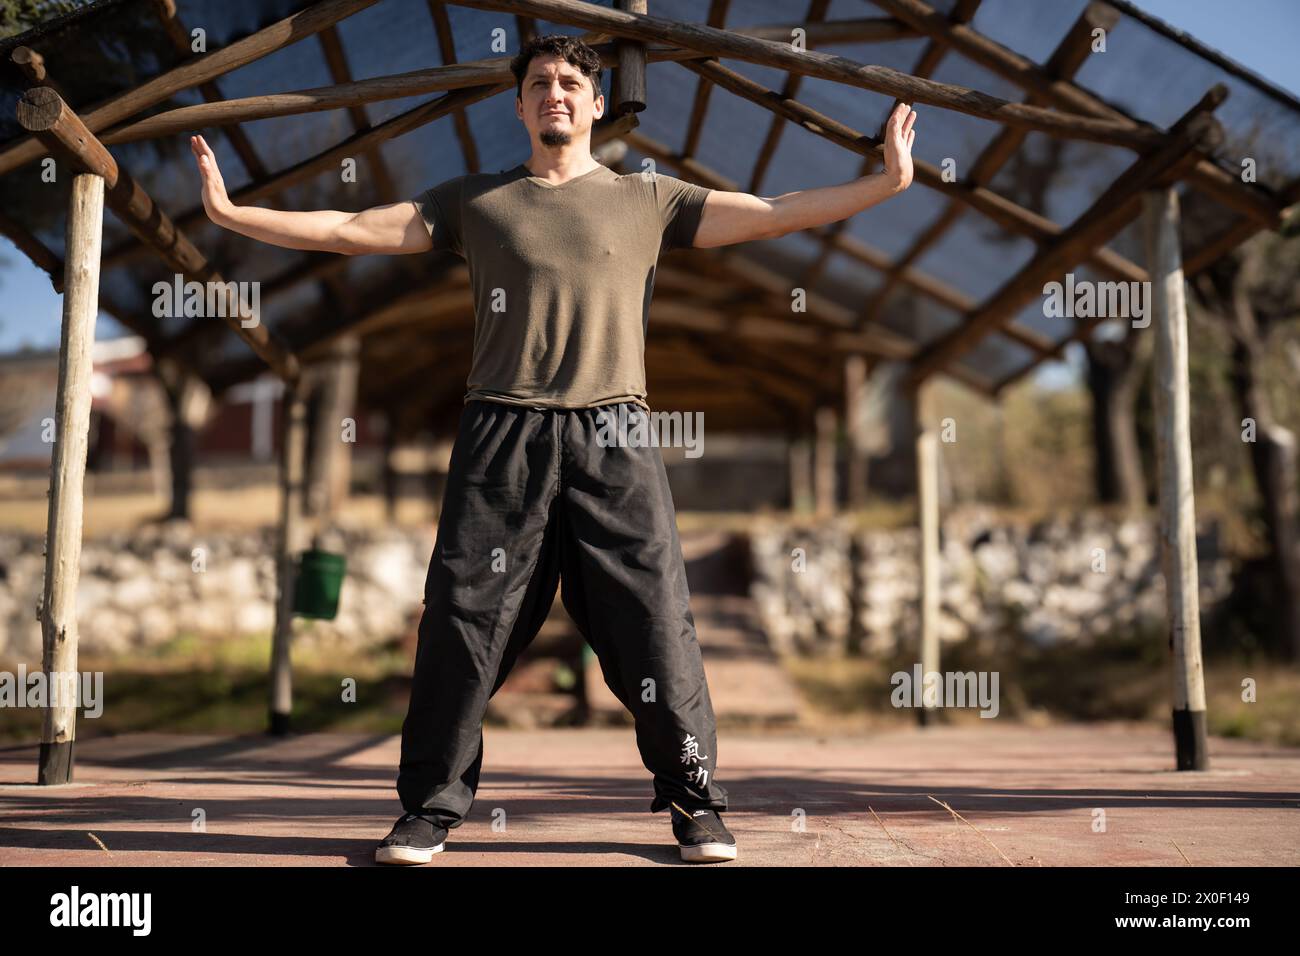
<point x="808" y="208"/>
<point x="317" y="230"/>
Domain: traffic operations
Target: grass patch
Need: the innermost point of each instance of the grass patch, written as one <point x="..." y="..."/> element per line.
<point x="1117" y="678"/>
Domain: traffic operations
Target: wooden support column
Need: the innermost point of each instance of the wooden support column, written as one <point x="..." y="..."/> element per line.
<point x="855" y="392"/>
<point x="330" y="466"/>
<point x="824" y="462"/>
<point x="800" y="474"/>
<point x="391" y="478"/>
<point x="58" y="610"/>
<point x="1174" y="463"/>
<point x="927" y="497"/>
<point x="628" y="88"/>
<point x="289" y="542"/>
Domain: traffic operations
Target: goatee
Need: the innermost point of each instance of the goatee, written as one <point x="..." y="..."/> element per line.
<point x="555" y="137"/>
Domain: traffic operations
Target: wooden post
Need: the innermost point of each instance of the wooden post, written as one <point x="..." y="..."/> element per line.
<point x="800" y="474"/>
<point x="824" y="462"/>
<point x="329" y="469"/>
<point x="927" y="484"/>
<point x="628" y="86"/>
<point x="390" y="476"/>
<point x="58" y="611"/>
<point x="288" y="543"/>
<point x="1174" y="464"/>
<point x="855" y="390"/>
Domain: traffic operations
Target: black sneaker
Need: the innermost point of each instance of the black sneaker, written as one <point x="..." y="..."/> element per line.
<point x="702" y="836"/>
<point x="413" y="839"/>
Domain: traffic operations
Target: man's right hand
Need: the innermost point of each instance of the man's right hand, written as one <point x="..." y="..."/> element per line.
<point x="392" y="229"/>
<point x="215" y="200"/>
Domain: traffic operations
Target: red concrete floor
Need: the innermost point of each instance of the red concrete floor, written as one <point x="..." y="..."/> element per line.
<point x="1018" y="795"/>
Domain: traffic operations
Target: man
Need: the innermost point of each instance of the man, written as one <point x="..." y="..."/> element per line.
<point x="561" y="252"/>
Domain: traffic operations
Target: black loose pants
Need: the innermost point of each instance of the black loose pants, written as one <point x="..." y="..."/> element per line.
<point x="533" y="499"/>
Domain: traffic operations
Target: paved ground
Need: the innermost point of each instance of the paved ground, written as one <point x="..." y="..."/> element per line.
<point x="571" y="797"/>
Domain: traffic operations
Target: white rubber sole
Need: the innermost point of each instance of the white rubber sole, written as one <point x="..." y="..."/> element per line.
<point x="407" y="855"/>
<point x="707" y="853"/>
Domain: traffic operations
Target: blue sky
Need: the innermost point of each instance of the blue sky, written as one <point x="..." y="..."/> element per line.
<point x="1261" y="34"/>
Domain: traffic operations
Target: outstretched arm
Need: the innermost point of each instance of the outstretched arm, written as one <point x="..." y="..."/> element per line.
<point x="394" y="229"/>
<point x="731" y="217"/>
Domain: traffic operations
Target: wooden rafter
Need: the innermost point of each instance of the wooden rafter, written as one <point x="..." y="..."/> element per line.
<point x="1199" y="260"/>
<point x="816" y="12"/>
<point x="165" y="10"/>
<point x="359" y="143"/>
<point x="996" y="207"/>
<point x="728" y="43"/>
<point x="700" y="105"/>
<point x="926" y="64"/>
<point x="490" y="71"/>
<point x="291" y="29"/>
<point x="1251" y="200"/>
<point x="1067" y="58"/>
<point x="44" y="114"/>
<point x="1109" y="213"/>
<point x="447" y="48"/>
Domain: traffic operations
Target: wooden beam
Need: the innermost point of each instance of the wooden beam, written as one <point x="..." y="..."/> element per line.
<point x="447" y="49"/>
<point x="42" y="112"/>
<point x="1172" y="401"/>
<point x="816" y="12"/>
<point x="700" y="105"/>
<point x="491" y="71"/>
<point x="725" y="43"/>
<point x="313" y="267"/>
<point x="1251" y="200"/>
<point x="359" y="143"/>
<point x="308" y="337"/>
<point x="1109" y="213"/>
<point x="879" y="341"/>
<point x="1068" y="57"/>
<point x="332" y="48"/>
<point x="292" y="28"/>
<point x="165" y="10"/>
<point x="696" y="171"/>
<point x="996" y="207"/>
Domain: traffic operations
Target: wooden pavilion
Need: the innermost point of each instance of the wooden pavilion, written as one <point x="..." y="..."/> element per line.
<point x="1028" y="169"/>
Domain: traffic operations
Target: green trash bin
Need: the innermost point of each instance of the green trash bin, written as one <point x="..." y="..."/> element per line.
<point x="318" y="583"/>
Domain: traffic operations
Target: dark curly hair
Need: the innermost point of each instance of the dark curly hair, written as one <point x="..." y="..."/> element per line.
<point x="567" y="48"/>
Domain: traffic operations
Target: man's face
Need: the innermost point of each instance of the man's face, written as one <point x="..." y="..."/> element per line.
<point x="556" y="103"/>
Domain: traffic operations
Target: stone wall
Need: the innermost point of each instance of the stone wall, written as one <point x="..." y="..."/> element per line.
<point x="141" y="588"/>
<point x="1037" y="578"/>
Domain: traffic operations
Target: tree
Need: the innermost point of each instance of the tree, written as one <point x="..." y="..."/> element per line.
<point x="1253" y="292"/>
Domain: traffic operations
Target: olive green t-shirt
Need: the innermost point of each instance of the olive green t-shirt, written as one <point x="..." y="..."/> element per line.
<point x="561" y="277"/>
